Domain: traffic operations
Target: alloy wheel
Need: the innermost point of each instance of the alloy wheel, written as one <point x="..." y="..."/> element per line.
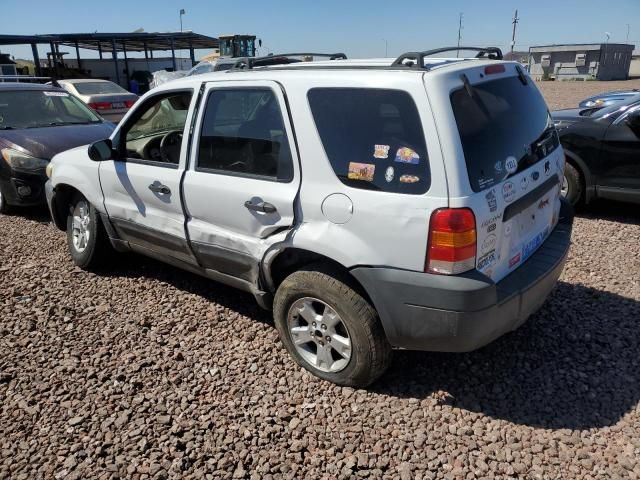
<point x="319" y="334"/>
<point x="81" y="232"/>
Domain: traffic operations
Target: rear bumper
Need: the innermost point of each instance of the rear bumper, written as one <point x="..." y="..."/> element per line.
<point x="461" y="313"/>
<point x="23" y="189"/>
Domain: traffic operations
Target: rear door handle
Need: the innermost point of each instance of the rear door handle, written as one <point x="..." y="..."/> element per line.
<point x="157" y="187"/>
<point x="264" y="207"/>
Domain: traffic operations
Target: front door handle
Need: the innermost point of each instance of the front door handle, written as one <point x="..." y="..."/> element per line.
<point x="264" y="207"/>
<point x="157" y="187"/>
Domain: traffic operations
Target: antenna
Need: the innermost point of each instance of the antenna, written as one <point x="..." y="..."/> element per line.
<point x="459" y="33"/>
<point x="513" y="34"/>
<point x="628" y="29"/>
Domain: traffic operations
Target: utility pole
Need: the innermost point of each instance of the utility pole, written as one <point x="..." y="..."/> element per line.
<point x="513" y="34"/>
<point x="182" y="12"/>
<point x="459" y="33"/>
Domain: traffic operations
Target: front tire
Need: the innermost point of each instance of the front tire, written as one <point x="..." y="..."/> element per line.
<point x="86" y="237"/>
<point x="572" y="186"/>
<point x="329" y="328"/>
<point x="5" y="208"/>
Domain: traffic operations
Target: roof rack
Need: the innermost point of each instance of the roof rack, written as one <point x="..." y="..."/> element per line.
<point x="281" y="59"/>
<point x="416" y="59"/>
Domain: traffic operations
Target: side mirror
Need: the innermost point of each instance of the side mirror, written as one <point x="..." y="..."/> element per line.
<point x="101" y="150"/>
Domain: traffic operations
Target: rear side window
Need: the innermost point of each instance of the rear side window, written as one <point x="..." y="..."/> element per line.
<point x="504" y="127"/>
<point x="373" y="138"/>
<point x="243" y="134"/>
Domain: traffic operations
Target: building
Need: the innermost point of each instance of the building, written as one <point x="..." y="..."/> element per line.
<point x="7" y="66"/>
<point x="585" y="61"/>
<point x="634" y="70"/>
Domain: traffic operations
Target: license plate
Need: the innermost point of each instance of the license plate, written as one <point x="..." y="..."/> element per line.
<point x="118" y="105"/>
<point x="533" y="244"/>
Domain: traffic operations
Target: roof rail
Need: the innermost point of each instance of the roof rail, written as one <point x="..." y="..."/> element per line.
<point x="281" y="59"/>
<point x="416" y="59"/>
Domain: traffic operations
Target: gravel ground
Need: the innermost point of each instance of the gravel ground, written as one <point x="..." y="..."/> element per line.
<point x="145" y="371"/>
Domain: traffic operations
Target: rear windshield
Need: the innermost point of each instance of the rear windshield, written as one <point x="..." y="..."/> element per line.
<point x="38" y="108"/>
<point x="97" y="88"/>
<point x="504" y="127"/>
<point x="373" y="138"/>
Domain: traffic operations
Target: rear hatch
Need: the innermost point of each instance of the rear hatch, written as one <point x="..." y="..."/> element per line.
<point x="514" y="163"/>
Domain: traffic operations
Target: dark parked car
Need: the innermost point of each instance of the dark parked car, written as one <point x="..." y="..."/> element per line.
<point x="602" y="147"/>
<point x="608" y="98"/>
<point x="37" y="122"/>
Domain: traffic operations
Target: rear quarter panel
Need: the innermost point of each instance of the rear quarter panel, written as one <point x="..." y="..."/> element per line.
<point x="384" y="229"/>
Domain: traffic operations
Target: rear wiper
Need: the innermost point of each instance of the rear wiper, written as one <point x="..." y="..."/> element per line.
<point x="472" y="94"/>
<point x="7" y="127"/>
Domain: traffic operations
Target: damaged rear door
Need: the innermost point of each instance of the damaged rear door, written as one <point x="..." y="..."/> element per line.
<point x="243" y="176"/>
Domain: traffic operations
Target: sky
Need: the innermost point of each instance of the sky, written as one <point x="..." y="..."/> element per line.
<point x="359" y="28"/>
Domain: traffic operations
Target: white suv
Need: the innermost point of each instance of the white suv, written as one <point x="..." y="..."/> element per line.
<point x="372" y="205"/>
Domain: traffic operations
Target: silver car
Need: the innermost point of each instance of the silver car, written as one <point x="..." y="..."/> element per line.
<point x="109" y="99"/>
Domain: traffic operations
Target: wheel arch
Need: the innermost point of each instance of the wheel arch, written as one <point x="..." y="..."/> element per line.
<point x="60" y="203"/>
<point x="285" y="260"/>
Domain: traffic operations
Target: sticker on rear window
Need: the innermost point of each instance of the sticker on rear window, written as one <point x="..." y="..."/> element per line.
<point x="511" y="164"/>
<point x="492" y="201"/>
<point x="409" y="179"/>
<point x="485" y="182"/>
<point x="514" y="260"/>
<point x="406" y="155"/>
<point x="381" y="151"/>
<point x="535" y="175"/>
<point x="389" y="174"/>
<point x="524" y="182"/>
<point x="55" y="94"/>
<point x="498" y="167"/>
<point x="361" y="171"/>
<point x="547" y="168"/>
<point x="508" y="192"/>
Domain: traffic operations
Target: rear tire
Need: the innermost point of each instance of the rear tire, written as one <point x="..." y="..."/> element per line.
<point x="346" y="325"/>
<point x="572" y="186"/>
<point x="86" y="237"/>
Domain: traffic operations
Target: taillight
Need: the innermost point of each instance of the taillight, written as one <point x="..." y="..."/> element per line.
<point x="452" y="241"/>
<point x="129" y="103"/>
<point x="100" y="105"/>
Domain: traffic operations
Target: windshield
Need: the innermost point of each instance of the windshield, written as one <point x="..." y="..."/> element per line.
<point x="504" y="127"/>
<point x="97" y="88"/>
<point x="38" y="108"/>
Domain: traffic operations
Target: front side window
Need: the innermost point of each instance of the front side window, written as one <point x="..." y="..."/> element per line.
<point x="243" y="133"/>
<point x="373" y="138"/>
<point x="156" y="131"/>
<point x="38" y="108"/>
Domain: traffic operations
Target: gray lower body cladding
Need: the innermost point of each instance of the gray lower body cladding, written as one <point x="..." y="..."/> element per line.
<point x="461" y="313"/>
